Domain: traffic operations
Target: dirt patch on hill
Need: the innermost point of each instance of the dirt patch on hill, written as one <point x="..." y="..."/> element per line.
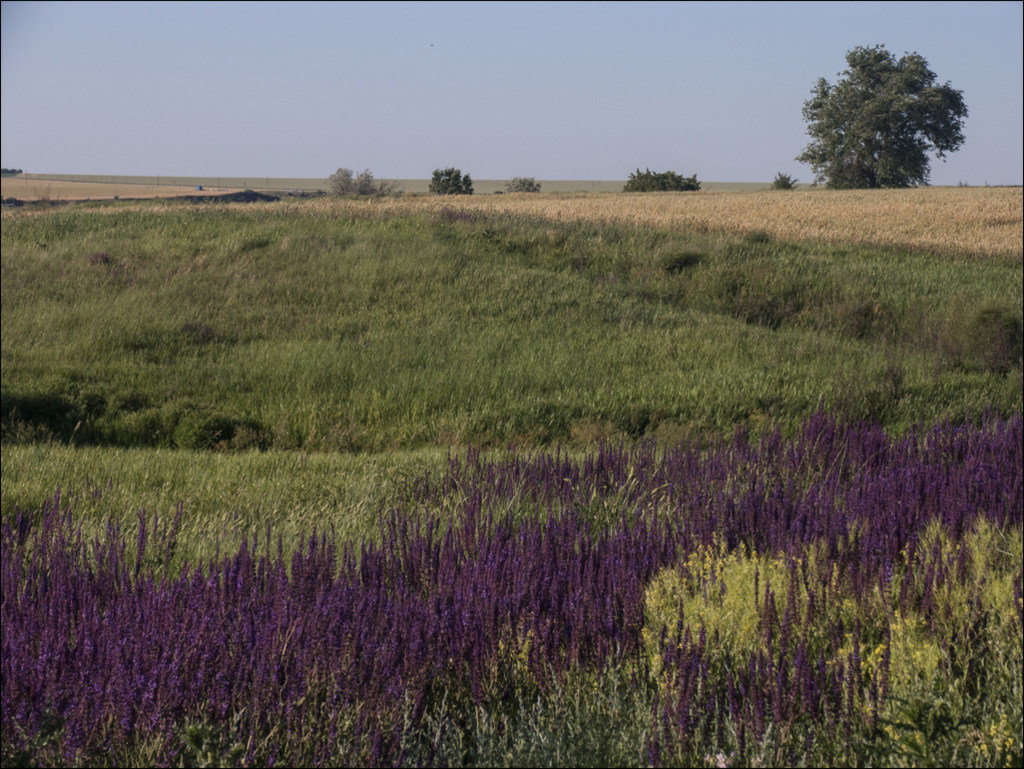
<point x="242" y="196"/>
<point x="245" y="196"/>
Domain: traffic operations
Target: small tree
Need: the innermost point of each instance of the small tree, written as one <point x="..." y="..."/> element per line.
<point x="450" y="181"/>
<point x="784" y="182"/>
<point x="523" y="184"/>
<point x="341" y="182"/>
<point x="344" y="183"/>
<point x="650" y="181"/>
<point x="366" y="184"/>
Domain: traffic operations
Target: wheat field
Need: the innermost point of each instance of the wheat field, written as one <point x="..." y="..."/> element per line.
<point x="979" y="221"/>
<point x="66" y="190"/>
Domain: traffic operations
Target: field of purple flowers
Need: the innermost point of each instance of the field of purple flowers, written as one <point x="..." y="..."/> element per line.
<point x="840" y="597"/>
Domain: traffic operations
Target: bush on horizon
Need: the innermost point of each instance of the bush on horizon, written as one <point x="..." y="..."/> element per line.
<point x="344" y="184"/>
<point x="450" y="181"/>
<point x="666" y="181"/>
<point x="523" y="184"/>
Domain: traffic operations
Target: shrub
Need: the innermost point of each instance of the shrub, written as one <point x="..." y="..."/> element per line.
<point x="447" y="214"/>
<point x="995" y="338"/>
<point x="199" y="332"/>
<point x="450" y="181"/>
<point x="650" y="181"/>
<point x="344" y="183"/>
<point x="204" y="431"/>
<point x="677" y="262"/>
<point x="761" y="296"/>
<point x="784" y="182"/>
<point x="728" y="611"/>
<point x="341" y="182"/>
<point x="857" y="316"/>
<point x="523" y="184"/>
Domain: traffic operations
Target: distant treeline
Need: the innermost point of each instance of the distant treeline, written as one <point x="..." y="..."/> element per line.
<point x="10" y="171"/>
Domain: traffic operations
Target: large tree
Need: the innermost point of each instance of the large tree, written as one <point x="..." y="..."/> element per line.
<point x="876" y="125"/>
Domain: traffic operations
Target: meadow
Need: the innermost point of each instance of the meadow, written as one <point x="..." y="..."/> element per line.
<point x="712" y="478"/>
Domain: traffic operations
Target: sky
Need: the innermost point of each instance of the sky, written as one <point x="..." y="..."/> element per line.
<point x="550" y="90"/>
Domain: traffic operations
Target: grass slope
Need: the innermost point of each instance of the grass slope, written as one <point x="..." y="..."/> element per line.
<point x="191" y="327"/>
<point x="150" y="334"/>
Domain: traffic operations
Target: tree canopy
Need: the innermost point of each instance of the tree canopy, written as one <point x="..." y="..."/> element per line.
<point x="876" y="125"/>
<point x="450" y="181"/>
<point x="648" y="181"/>
<point x="523" y="184"/>
<point x="344" y="183"/>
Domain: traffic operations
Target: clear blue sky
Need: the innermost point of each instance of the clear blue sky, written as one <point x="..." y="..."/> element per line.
<point x="549" y="90"/>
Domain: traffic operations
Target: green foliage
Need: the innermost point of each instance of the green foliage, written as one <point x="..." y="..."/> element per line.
<point x="197" y="430"/>
<point x="450" y="181"/>
<point x="224" y="494"/>
<point x="712" y="589"/>
<point x="875" y="126"/>
<point x="763" y="296"/>
<point x="955" y="668"/>
<point x="592" y="718"/>
<point x="783" y="182"/>
<point x="757" y="236"/>
<point x="679" y="261"/>
<point x="724" y="593"/>
<point x="996" y="337"/>
<point x="344" y="183"/>
<point x="651" y="181"/>
<point x="43" y="748"/>
<point x="204" y="747"/>
<point x="10" y="171"/>
<point x="523" y="184"/>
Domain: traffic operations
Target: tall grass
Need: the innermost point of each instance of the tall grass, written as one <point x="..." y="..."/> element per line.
<point x="361" y="328"/>
<point x="223" y="496"/>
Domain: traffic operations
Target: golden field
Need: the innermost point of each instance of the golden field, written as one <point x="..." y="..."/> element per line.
<point x="61" y="189"/>
<point x="981" y="221"/>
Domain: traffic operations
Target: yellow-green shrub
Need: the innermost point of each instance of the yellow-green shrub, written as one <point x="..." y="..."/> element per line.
<point x="713" y="589"/>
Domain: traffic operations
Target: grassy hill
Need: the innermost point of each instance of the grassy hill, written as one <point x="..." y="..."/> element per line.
<point x="138" y="338"/>
<point x="195" y="327"/>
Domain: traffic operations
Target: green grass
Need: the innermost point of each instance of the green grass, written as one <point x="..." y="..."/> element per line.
<point x="223" y="496"/>
<point x="178" y="329"/>
<point x="252" y="328"/>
